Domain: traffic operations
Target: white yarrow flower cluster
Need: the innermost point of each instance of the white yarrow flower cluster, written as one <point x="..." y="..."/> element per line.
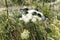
<point x="25" y="34"/>
<point x="30" y="17"/>
<point x="37" y="18"/>
<point x="26" y="18"/>
<point x="33" y="19"/>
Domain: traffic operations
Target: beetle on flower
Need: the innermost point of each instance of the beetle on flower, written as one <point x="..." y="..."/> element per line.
<point x="29" y="14"/>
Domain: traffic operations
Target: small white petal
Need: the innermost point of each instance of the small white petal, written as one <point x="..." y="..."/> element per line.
<point x="33" y="19"/>
<point x="20" y="18"/>
<point x="37" y="18"/>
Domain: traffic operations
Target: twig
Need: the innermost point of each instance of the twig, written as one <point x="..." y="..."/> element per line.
<point x="6" y="7"/>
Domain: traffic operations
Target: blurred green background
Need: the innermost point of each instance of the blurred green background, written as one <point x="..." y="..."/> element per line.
<point x="11" y="27"/>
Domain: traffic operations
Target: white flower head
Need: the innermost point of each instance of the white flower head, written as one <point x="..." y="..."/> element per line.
<point x="26" y="18"/>
<point x="29" y="16"/>
<point x="38" y="18"/>
<point x="25" y="34"/>
<point x="33" y="19"/>
<point x="20" y="18"/>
